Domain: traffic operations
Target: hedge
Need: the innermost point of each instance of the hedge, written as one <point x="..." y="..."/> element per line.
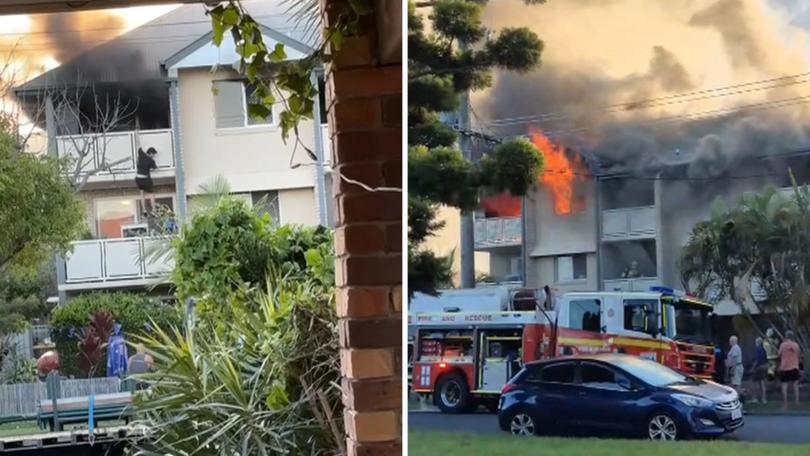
<point x="133" y="311"/>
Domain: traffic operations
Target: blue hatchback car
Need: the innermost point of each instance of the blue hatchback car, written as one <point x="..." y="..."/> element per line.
<point x="616" y="393"/>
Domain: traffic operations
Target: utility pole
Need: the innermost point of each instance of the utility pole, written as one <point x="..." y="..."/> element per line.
<point x="467" y="236"/>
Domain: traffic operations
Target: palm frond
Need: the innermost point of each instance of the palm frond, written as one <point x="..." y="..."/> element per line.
<point x="305" y="15"/>
<point x="211" y="193"/>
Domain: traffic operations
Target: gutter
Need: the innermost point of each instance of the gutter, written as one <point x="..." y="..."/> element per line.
<point x="179" y="173"/>
<point x="320" y="178"/>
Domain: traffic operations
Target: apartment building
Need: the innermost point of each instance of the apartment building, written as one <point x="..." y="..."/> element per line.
<point x="628" y="230"/>
<point x="186" y="100"/>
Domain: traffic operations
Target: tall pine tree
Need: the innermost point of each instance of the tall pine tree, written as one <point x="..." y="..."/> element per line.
<point x="456" y="54"/>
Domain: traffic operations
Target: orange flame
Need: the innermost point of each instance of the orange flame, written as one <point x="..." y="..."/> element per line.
<point x="503" y="205"/>
<point x="560" y="174"/>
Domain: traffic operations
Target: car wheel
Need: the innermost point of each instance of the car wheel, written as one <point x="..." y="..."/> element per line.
<point x="662" y="426"/>
<point x="453" y="394"/>
<point x="522" y="423"/>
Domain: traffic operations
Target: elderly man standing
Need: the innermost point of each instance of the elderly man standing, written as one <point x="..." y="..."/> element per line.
<point x="734" y="365"/>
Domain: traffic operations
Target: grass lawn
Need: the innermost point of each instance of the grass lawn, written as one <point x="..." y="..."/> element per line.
<point x="19" y="428"/>
<point x="437" y="444"/>
<point x="31" y="428"/>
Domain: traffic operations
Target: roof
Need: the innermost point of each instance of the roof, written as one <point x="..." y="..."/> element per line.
<point x="140" y="53"/>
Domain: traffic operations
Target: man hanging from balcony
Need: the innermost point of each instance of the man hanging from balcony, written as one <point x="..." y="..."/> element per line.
<point x="143" y="178"/>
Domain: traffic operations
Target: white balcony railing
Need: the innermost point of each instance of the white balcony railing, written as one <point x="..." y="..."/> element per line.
<point x="497" y="232"/>
<point x="120" y="148"/>
<point x="636" y="284"/>
<point x="629" y="223"/>
<point x="105" y="260"/>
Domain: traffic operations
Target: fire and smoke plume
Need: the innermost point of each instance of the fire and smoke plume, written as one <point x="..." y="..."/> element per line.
<point x="613" y="73"/>
<point x="560" y="174"/>
<point x="503" y="205"/>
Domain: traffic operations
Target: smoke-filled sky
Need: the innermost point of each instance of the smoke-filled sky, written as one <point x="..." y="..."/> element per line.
<point x="37" y="43"/>
<point x="601" y="53"/>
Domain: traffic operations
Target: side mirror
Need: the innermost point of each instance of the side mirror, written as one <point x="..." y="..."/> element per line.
<point x="625" y="383"/>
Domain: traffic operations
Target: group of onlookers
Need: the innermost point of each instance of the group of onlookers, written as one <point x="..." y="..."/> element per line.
<point x="774" y="359"/>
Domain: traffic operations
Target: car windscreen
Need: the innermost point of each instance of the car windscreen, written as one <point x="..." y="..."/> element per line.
<point x="650" y="372"/>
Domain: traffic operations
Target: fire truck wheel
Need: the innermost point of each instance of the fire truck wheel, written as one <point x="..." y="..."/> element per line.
<point x="454" y="395"/>
<point x="662" y="426"/>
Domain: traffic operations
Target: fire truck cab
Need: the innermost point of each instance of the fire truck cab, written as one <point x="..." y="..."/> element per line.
<point x="464" y="358"/>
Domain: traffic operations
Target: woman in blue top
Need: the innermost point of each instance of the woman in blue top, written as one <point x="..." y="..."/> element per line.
<point x="761" y="369"/>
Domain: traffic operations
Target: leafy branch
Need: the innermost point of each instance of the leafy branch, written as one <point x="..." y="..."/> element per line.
<point x="270" y="72"/>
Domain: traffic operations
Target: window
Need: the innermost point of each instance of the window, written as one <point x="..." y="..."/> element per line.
<point x="573" y="267"/>
<point x="640" y="315"/>
<point x="231" y="99"/>
<point x="558" y="373"/>
<point x="584" y="314"/>
<point x="112" y="214"/>
<point x="597" y="376"/>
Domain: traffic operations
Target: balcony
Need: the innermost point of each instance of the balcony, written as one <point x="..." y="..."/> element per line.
<point x="119" y="148"/>
<point x="629" y="223"/>
<point x="497" y="232"/>
<point x="635" y="284"/>
<point x="106" y="263"/>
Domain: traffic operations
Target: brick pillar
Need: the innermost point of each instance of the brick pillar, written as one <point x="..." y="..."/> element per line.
<point x="364" y="99"/>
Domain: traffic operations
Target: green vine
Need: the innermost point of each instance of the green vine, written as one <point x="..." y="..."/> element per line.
<point x="273" y="77"/>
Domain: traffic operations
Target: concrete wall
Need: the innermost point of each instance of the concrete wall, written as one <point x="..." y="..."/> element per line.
<point x="540" y="272"/>
<point x="249" y="158"/>
<point x="551" y="234"/>
<point x="297" y="206"/>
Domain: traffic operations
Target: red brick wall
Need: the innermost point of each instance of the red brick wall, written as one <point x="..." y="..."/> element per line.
<point x="364" y="99"/>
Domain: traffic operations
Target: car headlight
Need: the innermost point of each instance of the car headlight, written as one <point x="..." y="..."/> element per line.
<point x="693" y="401"/>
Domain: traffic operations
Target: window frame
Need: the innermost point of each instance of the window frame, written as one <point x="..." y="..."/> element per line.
<point x="96" y="228"/>
<point x="246" y="125"/>
<point x="558" y="277"/>
<point x="639" y="302"/>
<point x="616" y="374"/>
<point x="553" y="364"/>
<point x="581" y="326"/>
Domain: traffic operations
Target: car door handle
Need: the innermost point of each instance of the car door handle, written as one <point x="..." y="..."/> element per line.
<point x="583" y="393"/>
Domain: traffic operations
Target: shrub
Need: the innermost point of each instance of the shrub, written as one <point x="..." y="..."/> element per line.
<point x="133" y="311"/>
<point x="228" y="251"/>
<point x="275" y="377"/>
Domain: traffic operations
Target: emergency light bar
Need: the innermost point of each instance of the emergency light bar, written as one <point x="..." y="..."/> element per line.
<point x="669" y="291"/>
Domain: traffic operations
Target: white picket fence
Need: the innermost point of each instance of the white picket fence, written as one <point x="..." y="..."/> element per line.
<point x="22" y="399"/>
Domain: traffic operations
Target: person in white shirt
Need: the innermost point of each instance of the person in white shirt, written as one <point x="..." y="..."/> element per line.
<point x="734" y="364"/>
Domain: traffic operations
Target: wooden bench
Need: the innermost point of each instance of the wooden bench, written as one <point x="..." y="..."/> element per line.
<point x="54" y="414"/>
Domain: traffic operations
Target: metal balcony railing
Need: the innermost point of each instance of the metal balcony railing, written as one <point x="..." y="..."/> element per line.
<point x="497" y="232"/>
<point x="106" y="260"/>
<point x="634" y="284"/>
<point x="100" y="150"/>
<point x="629" y="223"/>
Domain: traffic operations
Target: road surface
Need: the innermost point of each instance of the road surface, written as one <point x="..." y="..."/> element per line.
<point x="774" y="429"/>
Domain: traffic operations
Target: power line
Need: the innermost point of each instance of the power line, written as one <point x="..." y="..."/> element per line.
<point x="672" y="178"/>
<point x="663" y="101"/>
<point x="703" y="115"/>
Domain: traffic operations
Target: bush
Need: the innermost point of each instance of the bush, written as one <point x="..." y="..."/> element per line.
<point x="274" y="375"/>
<point x="228" y="252"/>
<point x="133" y="311"/>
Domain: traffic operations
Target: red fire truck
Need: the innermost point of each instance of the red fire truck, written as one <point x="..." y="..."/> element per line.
<point x="464" y="358"/>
